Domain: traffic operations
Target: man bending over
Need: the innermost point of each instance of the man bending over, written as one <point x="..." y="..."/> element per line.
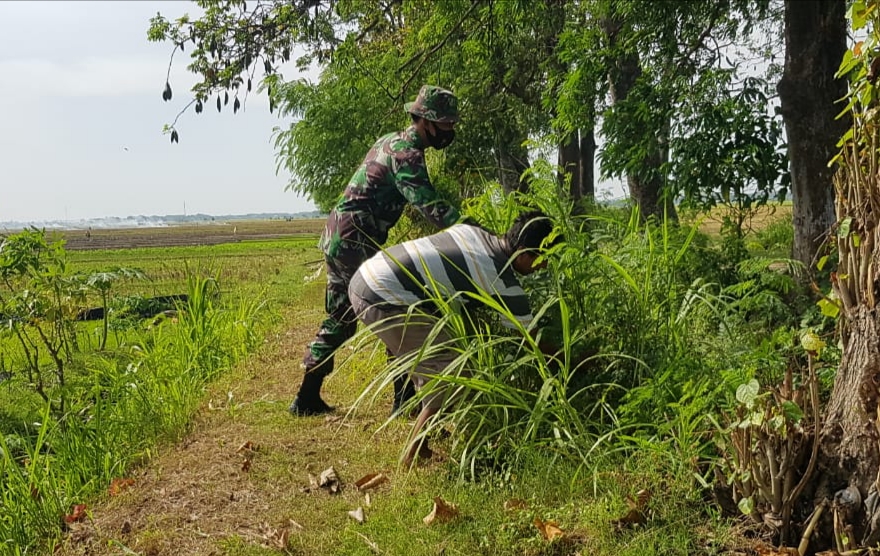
<point x="463" y="258"/>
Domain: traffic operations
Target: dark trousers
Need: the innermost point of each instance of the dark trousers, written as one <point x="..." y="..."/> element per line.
<point x="341" y="322"/>
<point x="339" y="326"/>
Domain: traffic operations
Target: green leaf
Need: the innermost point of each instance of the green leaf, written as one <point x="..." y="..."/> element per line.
<point x="856" y="239"/>
<point x="756" y="419"/>
<point x="777" y="423"/>
<point x="848" y="63"/>
<point x="821" y="264"/>
<point x="746" y="506"/>
<point x="866" y="95"/>
<point x="792" y="411"/>
<point x="811" y="342"/>
<point x="844" y="228"/>
<point x="828" y="308"/>
<point x="857" y="14"/>
<point x="747" y="393"/>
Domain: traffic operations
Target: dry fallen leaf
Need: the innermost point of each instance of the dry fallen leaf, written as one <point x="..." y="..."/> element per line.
<point x="636" y="514"/>
<point x="549" y="529"/>
<point x="642" y="498"/>
<point x="764" y="549"/>
<point x="118" y="484"/>
<point x="632" y="517"/>
<point x="370" y="481"/>
<point x="330" y="480"/>
<point x="367" y="501"/>
<point x="442" y="512"/>
<point x="357" y="515"/>
<point x="515" y="504"/>
<point x="77" y="513"/>
<point x="247" y="447"/>
<point x="281" y="538"/>
<point x="330" y="419"/>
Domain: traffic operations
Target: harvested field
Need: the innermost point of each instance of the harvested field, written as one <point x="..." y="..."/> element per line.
<point x="188" y="235"/>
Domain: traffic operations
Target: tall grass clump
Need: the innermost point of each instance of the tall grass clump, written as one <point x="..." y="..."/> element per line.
<point x="120" y="408"/>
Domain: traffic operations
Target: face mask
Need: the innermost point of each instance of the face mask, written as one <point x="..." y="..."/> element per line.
<point x="440" y="138"/>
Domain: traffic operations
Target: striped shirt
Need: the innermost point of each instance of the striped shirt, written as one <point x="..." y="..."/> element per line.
<point x="462" y="258"/>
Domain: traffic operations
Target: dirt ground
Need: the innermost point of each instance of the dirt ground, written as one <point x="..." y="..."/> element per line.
<point x="194" y="234"/>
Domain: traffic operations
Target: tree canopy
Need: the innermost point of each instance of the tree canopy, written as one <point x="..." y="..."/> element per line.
<point x="654" y="81"/>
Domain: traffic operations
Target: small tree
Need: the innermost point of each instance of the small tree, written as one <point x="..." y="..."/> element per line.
<point x="39" y="297"/>
<point x="102" y="282"/>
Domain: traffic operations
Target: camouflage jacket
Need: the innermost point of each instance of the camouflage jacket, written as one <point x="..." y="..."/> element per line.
<point x="392" y="174"/>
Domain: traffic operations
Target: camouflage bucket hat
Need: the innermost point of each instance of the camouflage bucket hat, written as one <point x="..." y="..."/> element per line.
<point x="434" y="104"/>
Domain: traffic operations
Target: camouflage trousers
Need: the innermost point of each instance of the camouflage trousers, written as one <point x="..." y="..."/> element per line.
<point x="341" y="321"/>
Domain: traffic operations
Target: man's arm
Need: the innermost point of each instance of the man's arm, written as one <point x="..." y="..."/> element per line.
<point x="412" y="181"/>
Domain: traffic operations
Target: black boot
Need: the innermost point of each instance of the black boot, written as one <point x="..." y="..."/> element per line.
<point x="308" y="400"/>
<point x="404" y="390"/>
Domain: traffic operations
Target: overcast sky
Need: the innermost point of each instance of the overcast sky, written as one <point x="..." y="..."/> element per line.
<point x="81" y="116"/>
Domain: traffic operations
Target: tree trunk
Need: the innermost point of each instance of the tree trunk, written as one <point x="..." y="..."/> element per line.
<point x="569" y="161"/>
<point x="848" y="444"/>
<point x="588" y="164"/>
<point x="645" y="184"/>
<point x="512" y="158"/>
<point x="815" y="40"/>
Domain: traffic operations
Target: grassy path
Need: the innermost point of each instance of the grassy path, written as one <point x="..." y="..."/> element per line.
<point x="198" y="498"/>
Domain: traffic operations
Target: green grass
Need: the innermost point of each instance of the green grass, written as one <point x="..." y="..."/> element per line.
<point x="248" y="264"/>
<point x="193" y="497"/>
<point x="142" y="391"/>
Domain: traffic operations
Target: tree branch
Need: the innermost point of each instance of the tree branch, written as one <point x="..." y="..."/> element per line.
<point x="425" y="55"/>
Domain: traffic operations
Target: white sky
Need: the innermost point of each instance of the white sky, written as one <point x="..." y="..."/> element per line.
<point x="79" y="83"/>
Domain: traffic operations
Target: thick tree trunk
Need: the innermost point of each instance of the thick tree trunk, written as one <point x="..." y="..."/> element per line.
<point x="569" y="161"/>
<point x="849" y="453"/>
<point x="588" y="164"/>
<point x="815" y="40"/>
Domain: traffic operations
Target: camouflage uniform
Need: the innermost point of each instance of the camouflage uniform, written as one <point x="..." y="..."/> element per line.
<point x="392" y="174"/>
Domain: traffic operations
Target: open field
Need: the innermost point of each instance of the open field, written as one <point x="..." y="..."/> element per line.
<point x="711" y="223"/>
<point x="250" y="230"/>
<point x="189" y="235"/>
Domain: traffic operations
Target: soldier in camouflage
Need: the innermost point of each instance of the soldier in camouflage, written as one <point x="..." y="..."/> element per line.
<point x="392" y="174"/>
